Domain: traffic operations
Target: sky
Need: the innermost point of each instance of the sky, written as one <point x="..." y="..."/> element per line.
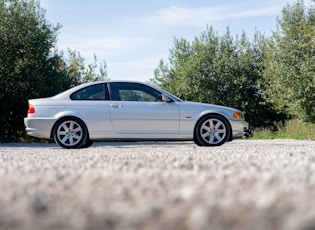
<point x="132" y="36"/>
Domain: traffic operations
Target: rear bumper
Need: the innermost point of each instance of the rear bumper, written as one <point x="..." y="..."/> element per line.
<point x="39" y="126"/>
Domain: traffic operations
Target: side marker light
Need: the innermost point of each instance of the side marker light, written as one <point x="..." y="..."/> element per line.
<point x="236" y="115"/>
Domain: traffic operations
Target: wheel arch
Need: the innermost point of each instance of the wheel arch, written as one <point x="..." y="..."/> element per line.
<point x="217" y="114"/>
<point x="65" y="118"/>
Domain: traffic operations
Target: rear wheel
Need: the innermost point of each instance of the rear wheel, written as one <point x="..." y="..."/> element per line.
<point x="212" y="130"/>
<point x="70" y="133"/>
<point x="87" y="144"/>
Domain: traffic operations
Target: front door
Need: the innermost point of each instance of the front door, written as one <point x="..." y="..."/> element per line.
<point x="139" y="109"/>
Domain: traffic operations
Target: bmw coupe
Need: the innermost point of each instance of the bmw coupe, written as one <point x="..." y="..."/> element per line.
<point x="127" y="110"/>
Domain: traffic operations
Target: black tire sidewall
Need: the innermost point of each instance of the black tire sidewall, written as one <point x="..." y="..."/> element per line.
<point x="87" y="144"/>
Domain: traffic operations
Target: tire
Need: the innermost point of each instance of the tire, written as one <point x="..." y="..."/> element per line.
<point x="70" y="133"/>
<point x="87" y="144"/>
<point x="212" y="130"/>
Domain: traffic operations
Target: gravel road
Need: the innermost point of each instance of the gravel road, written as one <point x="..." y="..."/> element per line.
<point x="243" y="184"/>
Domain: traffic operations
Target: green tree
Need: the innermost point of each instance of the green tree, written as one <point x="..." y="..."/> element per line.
<point x="76" y="68"/>
<point x="290" y="71"/>
<point x="31" y="66"/>
<point x="28" y="68"/>
<point x="220" y="70"/>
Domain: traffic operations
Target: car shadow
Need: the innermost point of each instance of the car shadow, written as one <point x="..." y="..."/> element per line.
<point x="100" y="144"/>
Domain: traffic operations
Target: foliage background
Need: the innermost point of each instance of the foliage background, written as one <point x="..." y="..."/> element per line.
<point x="31" y="66"/>
<point x="271" y="78"/>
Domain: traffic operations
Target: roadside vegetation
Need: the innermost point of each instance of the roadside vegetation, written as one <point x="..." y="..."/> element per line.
<point x="31" y="66"/>
<point x="271" y="78"/>
<point x="291" y="129"/>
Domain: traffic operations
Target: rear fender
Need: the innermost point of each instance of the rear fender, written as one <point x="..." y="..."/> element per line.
<point x="64" y="115"/>
<point x="69" y="113"/>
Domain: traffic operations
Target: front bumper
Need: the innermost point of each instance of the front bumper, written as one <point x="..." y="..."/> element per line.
<point x="247" y="132"/>
<point x="239" y="128"/>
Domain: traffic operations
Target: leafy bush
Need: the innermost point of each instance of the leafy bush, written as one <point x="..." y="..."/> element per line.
<point x="292" y="129"/>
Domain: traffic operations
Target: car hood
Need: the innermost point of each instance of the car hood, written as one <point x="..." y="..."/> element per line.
<point x="197" y="109"/>
<point x="205" y="106"/>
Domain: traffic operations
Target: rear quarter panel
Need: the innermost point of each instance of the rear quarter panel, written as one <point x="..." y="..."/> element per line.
<point x="95" y="114"/>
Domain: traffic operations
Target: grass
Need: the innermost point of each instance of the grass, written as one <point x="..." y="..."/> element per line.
<point x="292" y="129"/>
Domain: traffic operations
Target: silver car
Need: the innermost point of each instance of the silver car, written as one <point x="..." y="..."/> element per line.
<point x="125" y="110"/>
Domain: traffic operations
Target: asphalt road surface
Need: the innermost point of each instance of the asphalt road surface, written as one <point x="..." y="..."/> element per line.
<point x="243" y="184"/>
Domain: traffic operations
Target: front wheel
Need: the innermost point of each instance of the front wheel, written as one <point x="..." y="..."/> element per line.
<point x="212" y="130"/>
<point x="70" y="133"/>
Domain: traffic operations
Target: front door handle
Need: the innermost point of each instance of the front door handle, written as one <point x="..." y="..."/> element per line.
<point x="116" y="106"/>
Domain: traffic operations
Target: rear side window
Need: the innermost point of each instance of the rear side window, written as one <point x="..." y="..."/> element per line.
<point x="93" y="92"/>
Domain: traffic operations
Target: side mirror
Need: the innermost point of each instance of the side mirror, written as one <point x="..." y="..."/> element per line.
<point x="166" y="98"/>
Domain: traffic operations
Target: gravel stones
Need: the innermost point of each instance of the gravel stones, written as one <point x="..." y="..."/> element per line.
<point x="243" y="184"/>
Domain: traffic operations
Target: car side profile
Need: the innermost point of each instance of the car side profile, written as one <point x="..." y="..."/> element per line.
<point x="127" y="110"/>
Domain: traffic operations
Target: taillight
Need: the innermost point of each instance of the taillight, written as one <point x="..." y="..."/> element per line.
<point x="31" y="109"/>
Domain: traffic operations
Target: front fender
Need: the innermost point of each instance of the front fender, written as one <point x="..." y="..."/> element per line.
<point x="203" y="113"/>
